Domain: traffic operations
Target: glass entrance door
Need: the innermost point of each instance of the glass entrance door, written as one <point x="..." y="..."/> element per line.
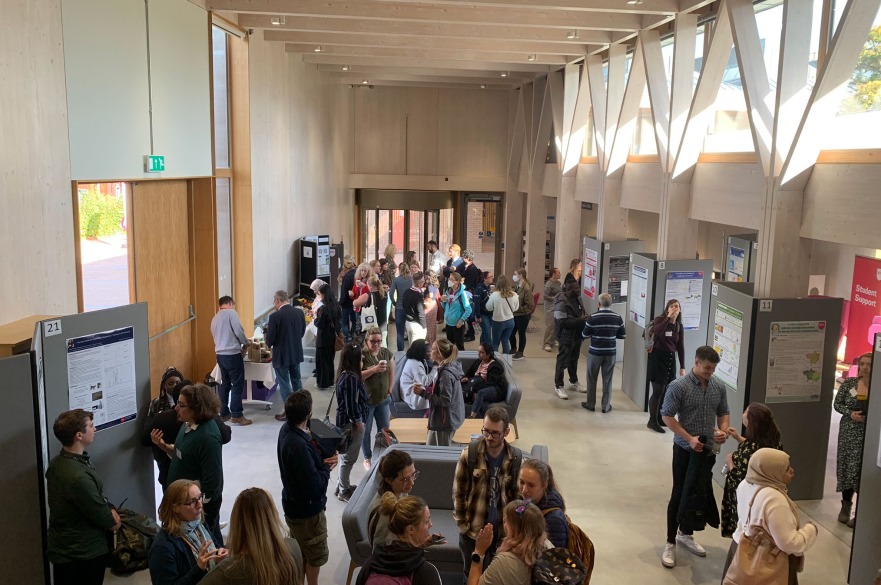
<point x="481" y="231"/>
<point x="409" y="230"/>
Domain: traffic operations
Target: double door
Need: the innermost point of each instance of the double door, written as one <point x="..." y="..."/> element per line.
<point x="408" y="230"/>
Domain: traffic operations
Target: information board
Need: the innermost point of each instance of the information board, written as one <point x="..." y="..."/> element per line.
<point x="638" y="304"/>
<point x="101" y="376"/>
<point x="688" y="289"/>
<point x="736" y="260"/>
<point x="619" y="269"/>
<point x="727" y="339"/>
<point x="795" y="361"/>
<point x="590" y="272"/>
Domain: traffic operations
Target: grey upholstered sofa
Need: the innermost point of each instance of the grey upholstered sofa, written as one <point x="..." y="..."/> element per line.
<point x="437" y="469"/>
<point x="400" y="409"/>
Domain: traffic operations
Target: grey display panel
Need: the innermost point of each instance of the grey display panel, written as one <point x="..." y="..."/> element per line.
<point x="731" y="317"/>
<point x="21" y="542"/>
<point x="740" y="258"/>
<point x="125" y="466"/>
<point x="804" y="424"/>
<point x="634" y="382"/>
<point x="865" y="560"/>
<point x="673" y="273"/>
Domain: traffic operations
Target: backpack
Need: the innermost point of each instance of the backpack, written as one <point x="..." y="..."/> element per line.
<point x="133" y="541"/>
<point x="472" y="459"/>
<point x="558" y="566"/>
<point x="580" y="545"/>
<point x="380" y="579"/>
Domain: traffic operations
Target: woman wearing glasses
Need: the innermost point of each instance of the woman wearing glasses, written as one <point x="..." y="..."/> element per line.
<point x="523" y="543"/>
<point x="196" y="452"/>
<point x="397" y="475"/>
<point x="184" y="550"/>
<point x="447" y="407"/>
<point x="377" y="372"/>
<point x="403" y="557"/>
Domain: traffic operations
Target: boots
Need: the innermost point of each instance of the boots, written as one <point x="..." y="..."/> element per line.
<point x="844" y="514"/>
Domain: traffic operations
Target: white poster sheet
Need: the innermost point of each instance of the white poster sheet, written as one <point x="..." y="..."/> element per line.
<point x="590" y="272"/>
<point x="101" y="376"/>
<point x="736" y="258"/>
<point x="688" y="289"/>
<point x="795" y="361"/>
<point x="638" y="303"/>
<point x="727" y="338"/>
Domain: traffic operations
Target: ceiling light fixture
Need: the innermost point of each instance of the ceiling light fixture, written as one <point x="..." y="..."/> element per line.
<point x="345" y="67"/>
<point x="504" y="74"/>
<point x="531" y="58"/>
<point x="482" y="86"/>
<point x="572" y="34"/>
<point x="319" y="49"/>
<point x="363" y="82"/>
<point x="277" y="20"/>
<point x="634" y="2"/>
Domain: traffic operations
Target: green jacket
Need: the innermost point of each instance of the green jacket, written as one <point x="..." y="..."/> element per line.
<point x="79" y="515"/>
<point x="527" y="300"/>
<point x="197" y="457"/>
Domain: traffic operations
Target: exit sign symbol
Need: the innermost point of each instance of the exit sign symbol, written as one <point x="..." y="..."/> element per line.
<point x="154" y="163"/>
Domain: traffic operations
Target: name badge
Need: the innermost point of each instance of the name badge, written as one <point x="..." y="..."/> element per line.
<point x="853" y="391"/>
<point x="668" y="333"/>
<point x="177" y="454"/>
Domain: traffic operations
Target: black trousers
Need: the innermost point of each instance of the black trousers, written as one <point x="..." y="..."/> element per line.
<point x="88" y="572"/>
<point x="324" y="365"/>
<point x="456" y="336"/>
<point x="680" y="469"/>
<point x="212" y="518"/>
<point x="567" y="359"/>
<point x="521" y="322"/>
<point x="467" y="545"/>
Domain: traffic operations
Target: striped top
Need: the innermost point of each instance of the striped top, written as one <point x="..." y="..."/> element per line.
<point x="351" y="398"/>
<point x="604" y="328"/>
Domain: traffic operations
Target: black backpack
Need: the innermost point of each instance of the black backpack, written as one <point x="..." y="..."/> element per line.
<point x="133" y="541"/>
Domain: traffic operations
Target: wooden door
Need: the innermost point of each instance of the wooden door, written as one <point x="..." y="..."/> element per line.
<point x="162" y="269"/>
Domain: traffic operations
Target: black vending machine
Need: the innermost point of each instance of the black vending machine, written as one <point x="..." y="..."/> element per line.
<point x="314" y="262"/>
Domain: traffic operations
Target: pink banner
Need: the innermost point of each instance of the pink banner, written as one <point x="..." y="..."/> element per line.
<point x="864" y="316"/>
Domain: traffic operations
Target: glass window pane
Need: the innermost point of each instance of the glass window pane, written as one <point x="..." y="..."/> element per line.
<point x="383" y="236"/>
<point x="417" y="240"/>
<point x="397" y="216"/>
<point x="769" y="22"/>
<point x="104" y="245"/>
<point x="729" y="127"/>
<point x="445" y="230"/>
<point x="481" y="233"/>
<point x="369" y="232"/>
<point x="224" y="237"/>
<point x="221" y="99"/>
<point x="644" y="138"/>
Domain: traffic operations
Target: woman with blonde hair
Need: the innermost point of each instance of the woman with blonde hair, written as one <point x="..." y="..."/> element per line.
<point x="184" y="550"/>
<point x="409" y="520"/>
<point x="523" y="313"/>
<point x="502" y="303"/>
<point x="375" y="297"/>
<point x="358" y="291"/>
<point x="446" y="410"/>
<point x="850" y="402"/>
<point x="537" y="484"/>
<point x="523" y="543"/>
<point x="259" y="552"/>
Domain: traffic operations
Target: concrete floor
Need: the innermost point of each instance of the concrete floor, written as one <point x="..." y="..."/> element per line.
<point x="612" y="471"/>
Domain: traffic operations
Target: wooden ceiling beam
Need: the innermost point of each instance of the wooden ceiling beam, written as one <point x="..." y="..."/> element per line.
<point x="357" y="76"/>
<point x="453" y="55"/>
<point x="513" y="76"/>
<point x="647" y="7"/>
<point x="426" y="63"/>
<point x="371" y="83"/>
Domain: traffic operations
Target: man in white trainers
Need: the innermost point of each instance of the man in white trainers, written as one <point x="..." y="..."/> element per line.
<point x="569" y="318"/>
<point x="695" y="408"/>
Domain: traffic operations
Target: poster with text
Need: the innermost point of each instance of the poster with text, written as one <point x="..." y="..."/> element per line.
<point x="727" y="338"/>
<point x="795" y="361"/>
<point x="638" y="304"/>
<point x="688" y="289"/>
<point x="101" y="376"/>
<point x="590" y="272"/>
<point x="736" y="258"/>
<point x="864" y="305"/>
<point x="619" y="269"/>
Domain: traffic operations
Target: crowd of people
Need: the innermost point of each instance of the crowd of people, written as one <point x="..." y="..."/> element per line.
<point x="509" y="509"/>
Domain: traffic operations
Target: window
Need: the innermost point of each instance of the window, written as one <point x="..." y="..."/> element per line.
<point x="221" y="98"/>
<point x="104" y="245"/>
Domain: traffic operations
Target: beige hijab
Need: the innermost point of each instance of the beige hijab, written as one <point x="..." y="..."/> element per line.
<point x="767" y="468"/>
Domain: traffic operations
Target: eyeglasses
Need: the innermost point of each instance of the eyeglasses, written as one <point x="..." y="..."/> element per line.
<point x="194" y="502"/>
<point x="491" y="434"/>
<point x="182" y="405"/>
<point x="522" y="507"/>
<point x="410" y="478"/>
<point x="374" y="341"/>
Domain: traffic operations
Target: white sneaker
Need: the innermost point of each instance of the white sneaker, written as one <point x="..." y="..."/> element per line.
<point x="668" y="559"/>
<point x="547" y="348"/>
<point x="576" y="387"/>
<point x="558" y="390"/>
<point x="688" y="542"/>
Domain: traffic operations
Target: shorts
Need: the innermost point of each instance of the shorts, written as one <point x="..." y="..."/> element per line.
<point x="311" y="535"/>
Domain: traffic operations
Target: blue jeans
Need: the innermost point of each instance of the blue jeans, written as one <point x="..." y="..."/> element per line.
<point x="380" y="413"/>
<point x="350" y="322"/>
<point x="486" y="329"/>
<point x="401" y="326"/>
<point x="502" y="334"/>
<point x="483" y="399"/>
<point x="288" y="380"/>
<point x="232" y="373"/>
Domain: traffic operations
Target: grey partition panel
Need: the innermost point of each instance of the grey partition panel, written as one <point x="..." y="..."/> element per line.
<point x="616" y="265"/>
<point x="21" y="493"/>
<point x="694" y="338"/>
<point x="743" y="264"/>
<point x="865" y="558"/>
<point x="634" y="380"/>
<point x="125" y="466"/>
<point x="591" y="271"/>
<point x="804" y="425"/>
<point x="730" y="330"/>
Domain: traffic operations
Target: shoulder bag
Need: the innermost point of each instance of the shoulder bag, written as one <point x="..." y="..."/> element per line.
<point x="758" y="560"/>
<point x="337" y="439"/>
<point x="368" y="314"/>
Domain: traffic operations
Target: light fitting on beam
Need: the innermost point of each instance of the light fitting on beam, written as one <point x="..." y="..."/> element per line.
<point x="530" y="58"/>
<point x="276" y="20"/>
<point x="363" y="82"/>
<point x="572" y="34"/>
<point x="482" y="87"/>
<point x="345" y="67"/>
<point x="504" y="74"/>
<point x="320" y="49"/>
<point x="634" y="2"/>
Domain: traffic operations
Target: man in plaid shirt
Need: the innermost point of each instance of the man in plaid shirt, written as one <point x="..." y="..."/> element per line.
<point x="485" y="483"/>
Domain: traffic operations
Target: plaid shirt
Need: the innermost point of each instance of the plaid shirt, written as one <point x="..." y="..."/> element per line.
<point x="470" y="498"/>
<point x="697" y="409"/>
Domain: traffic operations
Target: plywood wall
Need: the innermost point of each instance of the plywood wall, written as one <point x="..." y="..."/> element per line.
<point x="641" y="187"/>
<point x="728" y="193"/>
<point x="36" y="259"/>
<point x="842" y="205"/>
<point x="300" y="155"/>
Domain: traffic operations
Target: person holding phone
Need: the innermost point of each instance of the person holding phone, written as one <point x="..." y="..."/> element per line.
<point x="668" y="341"/>
<point x="850" y="403"/>
<point x="377" y="372"/>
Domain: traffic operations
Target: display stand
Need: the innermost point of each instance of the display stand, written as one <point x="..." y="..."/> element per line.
<point x="741" y="253"/>
<point x="606" y="269"/>
<point x="638" y="315"/>
<point x="865" y="557"/>
<point x="313" y="262"/>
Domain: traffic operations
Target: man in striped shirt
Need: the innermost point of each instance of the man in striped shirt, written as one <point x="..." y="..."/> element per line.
<point x="604" y="328"/>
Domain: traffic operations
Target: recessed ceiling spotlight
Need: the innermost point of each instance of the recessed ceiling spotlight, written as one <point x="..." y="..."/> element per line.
<point x="319" y="49"/>
<point x="504" y="74"/>
<point x="531" y="58"/>
<point x="572" y="34"/>
<point x="277" y="20"/>
<point x="482" y="86"/>
<point x="345" y="67"/>
<point x="634" y="2"/>
<point x="363" y="82"/>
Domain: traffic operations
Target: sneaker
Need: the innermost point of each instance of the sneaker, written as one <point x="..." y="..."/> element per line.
<point x="240" y="421"/>
<point x="576" y="387"/>
<point x="345" y="494"/>
<point x="688" y="542"/>
<point x="226" y="418"/>
<point x="281" y="417"/>
<point x="668" y="559"/>
<point x="558" y="390"/>
<point x="547" y="348"/>
<point x="518" y="356"/>
<point x="367" y="463"/>
<point x="223" y="525"/>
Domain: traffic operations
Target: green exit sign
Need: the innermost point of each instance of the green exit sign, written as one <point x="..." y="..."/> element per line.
<point x="154" y="163"/>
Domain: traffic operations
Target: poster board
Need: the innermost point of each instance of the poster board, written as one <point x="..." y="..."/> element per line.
<point x="634" y="381"/>
<point x="689" y="281"/>
<point x="741" y="252"/>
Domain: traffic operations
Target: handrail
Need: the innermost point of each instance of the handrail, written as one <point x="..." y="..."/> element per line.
<point x="192" y="317"/>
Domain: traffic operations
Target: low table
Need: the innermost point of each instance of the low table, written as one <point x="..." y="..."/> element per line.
<point x="415" y="430"/>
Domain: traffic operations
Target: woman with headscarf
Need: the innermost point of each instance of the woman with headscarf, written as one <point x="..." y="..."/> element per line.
<point x="762" y="501"/>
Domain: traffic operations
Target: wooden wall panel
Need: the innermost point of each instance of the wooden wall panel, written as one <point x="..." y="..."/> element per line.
<point x="37" y="265"/>
<point x="472" y="133"/>
<point x="641" y="187"/>
<point x="588" y="183"/>
<point x="380" y="131"/>
<point x="161" y="234"/>
<point x="204" y="271"/>
<point x="842" y="205"/>
<point x="728" y="193"/>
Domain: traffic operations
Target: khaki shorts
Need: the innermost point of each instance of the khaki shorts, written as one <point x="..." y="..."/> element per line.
<point x="311" y="535"/>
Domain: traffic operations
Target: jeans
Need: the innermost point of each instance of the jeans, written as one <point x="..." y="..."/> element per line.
<point x="550" y="337"/>
<point x="379" y="413"/>
<point x="350" y="322"/>
<point x="502" y="334"/>
<point x="440" y="438"/>
<point x="594" y="364"/>
<point x="680" y="469"/>
<point x="567" y="359"/>
<point x="88" y="572"/>
<point x="521" y="322"/>
<point x="347" y="459"/>
<point x="483" y="399"/>
<point x="288" y="380"/>
<point x="401" y="326"/>
<point x="232" y="373"/>
<point x="486" y="329"/>
<point x="456" y="336"/>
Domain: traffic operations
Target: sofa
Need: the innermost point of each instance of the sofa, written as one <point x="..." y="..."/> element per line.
<point x="400" y="409"/>
<point x="437" y="470"/>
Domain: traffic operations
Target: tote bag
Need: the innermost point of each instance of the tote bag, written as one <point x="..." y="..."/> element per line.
<point x="368" y="314"/>
<point x="758" y="560"/>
